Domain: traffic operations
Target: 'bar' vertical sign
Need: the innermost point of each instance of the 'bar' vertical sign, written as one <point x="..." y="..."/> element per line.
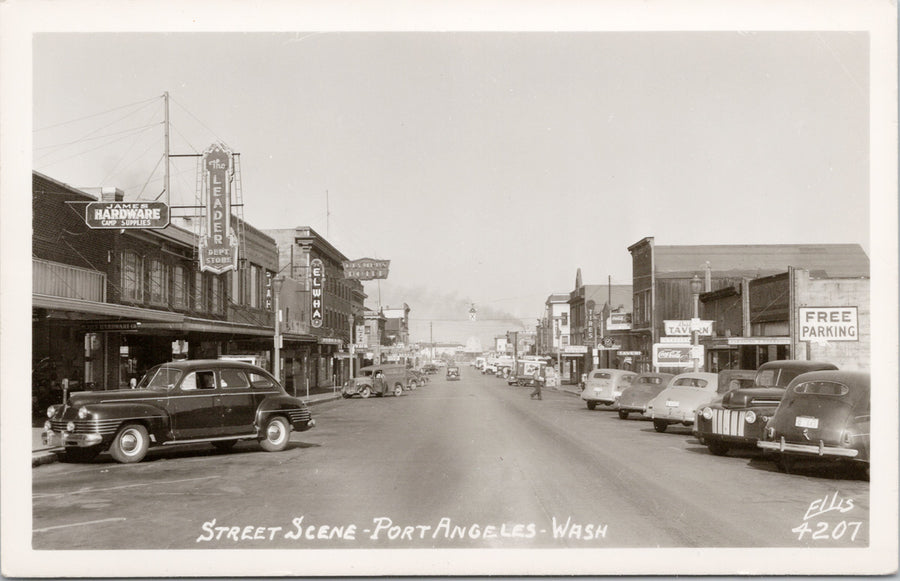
<point x="317" y="281"/>
<point x="218" y="244"/>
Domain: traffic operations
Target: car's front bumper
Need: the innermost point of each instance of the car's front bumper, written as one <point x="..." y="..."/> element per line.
<point x="819" y="449"/>
<point x="53" y="439"/>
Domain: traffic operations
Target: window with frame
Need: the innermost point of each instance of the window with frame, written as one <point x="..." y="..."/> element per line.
<point x="158" y="282"/>
<point x="180" y="292"/>
<point x="216" y="290"/>
<point x="132" y="275"/>
<point x="235" y="286"/>
<point x="254" y="286"/>
<point x="199" y="292"/>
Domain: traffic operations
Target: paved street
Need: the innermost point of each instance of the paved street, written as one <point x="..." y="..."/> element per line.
<point x="467" y="464"/>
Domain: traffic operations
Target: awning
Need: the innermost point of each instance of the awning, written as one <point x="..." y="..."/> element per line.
<point x="39" y="301"/>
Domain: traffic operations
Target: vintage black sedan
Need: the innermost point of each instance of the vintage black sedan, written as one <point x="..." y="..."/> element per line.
<point x="189" y="401"/>
<point x="825" y="415"/>
<point x="738" y="419"/>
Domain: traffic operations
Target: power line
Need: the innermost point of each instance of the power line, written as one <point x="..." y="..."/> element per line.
<point x="96" y="114"/>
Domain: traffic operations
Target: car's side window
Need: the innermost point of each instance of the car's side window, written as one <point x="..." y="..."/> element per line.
<point x="257" y="380"/>
<point x="190" y="382"/>
<point x="627" y="378"/>
<point x="233" y="379"/>
<point x="206" y="380"/>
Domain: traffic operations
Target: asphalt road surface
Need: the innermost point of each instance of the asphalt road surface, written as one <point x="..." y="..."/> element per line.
<point x="473" y="463"/>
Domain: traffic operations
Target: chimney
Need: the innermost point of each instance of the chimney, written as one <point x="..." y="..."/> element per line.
<point x="111" y="194"/>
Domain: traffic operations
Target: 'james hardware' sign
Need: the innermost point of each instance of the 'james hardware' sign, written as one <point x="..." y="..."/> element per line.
<point x="125" y="215"/>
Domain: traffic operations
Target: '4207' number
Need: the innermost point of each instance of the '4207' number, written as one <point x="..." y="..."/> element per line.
<point x="823" y="531"/>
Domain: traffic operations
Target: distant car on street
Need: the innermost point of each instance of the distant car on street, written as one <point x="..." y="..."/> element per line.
<point x="188" y="401"/>
<point x="452" y="373"/>
<point x="644" y="387"/>
<point x="378" y="380"/>
<point x="677" y="403"/>
<point x="603" y="386"/>
<point x="417" y="378"/>
<point x="430" y="368"/>
<point x="738" y="418"/>
<point x="824" y="415"/>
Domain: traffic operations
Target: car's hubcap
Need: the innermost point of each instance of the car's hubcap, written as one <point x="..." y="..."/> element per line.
<point x="275" y="433"/>
<point x="130" y="442"/>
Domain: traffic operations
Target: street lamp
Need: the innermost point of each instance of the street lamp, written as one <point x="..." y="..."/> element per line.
<point x="276" y="364"/>
<point x="696" y="286"/>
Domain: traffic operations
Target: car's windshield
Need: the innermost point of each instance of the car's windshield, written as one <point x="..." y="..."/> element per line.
<point x="160" y="377"/>
<point x="775" y="377"/>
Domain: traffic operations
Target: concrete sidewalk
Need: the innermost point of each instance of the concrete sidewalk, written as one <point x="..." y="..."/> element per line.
<point x="41" y="454"/>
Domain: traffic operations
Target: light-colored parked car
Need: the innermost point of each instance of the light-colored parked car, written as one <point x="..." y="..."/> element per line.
<point x="603" y="386"/>
<point x="380" y="380"/>
<point x="686" y="393"/>
<point x="645" y="387"/>
<point x="824" y="415"/>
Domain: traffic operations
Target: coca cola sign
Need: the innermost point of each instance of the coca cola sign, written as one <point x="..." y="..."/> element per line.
<point x="668" y="355"/>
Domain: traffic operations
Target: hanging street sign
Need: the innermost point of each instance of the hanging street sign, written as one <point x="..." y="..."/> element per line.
<point x="126" y="215"/>
<point x="218" y="244"/>
<point x="317" y="299"/>
<point x="366" y="268"/>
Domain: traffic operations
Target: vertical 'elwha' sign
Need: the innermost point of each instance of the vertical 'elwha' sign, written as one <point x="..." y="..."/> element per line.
<point x="316" y="284"/>
<point x="218" y="244"/>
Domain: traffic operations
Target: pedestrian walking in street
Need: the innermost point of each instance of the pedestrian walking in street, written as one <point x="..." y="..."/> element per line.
<point x="536" y="378"/>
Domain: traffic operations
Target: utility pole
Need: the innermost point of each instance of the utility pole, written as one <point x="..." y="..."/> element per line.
<point x="166" y="181"/>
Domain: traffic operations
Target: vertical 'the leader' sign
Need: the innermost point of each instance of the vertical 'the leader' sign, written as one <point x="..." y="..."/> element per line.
<point x="317" y="282"/>
<point x="218" y="244"/>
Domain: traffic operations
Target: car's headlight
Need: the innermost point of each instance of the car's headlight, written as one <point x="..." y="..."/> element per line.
<point x="51" y="411"/>
<point x="83" y="413"/>
<point x="707" y="413"/>
<point x="47" y="425"/>
<point x="750" y="417"/>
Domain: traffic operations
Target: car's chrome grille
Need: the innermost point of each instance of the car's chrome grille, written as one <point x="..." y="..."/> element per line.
<point x="87" y="426"/>
<point x="728" y="422"/>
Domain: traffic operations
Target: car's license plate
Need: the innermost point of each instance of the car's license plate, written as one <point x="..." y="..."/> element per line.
<point x="598" y="390"/>
<point x="806" y="422"/>
<point x="671" y="404"/>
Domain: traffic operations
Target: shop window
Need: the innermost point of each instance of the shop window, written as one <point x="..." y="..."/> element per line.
<point x="565" y="319"/>
<point x="235" y="278"/>
<point x="132" y="277"/>
<point x="179" y="287"/>
<point x="158" y="282"/>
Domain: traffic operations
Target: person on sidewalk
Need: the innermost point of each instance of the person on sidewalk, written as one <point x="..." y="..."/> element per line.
<point x="538" y="380"/>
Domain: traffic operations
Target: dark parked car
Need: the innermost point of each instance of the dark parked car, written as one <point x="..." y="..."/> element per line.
<point x="738" y="418"/>
<point x="430" y="368"/>
<point x="452" y="373"/>
<point x="189" y="401"/>
<point x="417" y="378"/>
<point x="824" y="414"/>
<point x="645" y="387"/>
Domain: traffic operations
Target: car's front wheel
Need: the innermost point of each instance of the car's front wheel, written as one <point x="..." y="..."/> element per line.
<point x="130" y="444"/>
<point x="623" y="415"/>
<point x="276" y="434"/>
<point x="591" y="405"/>
<point x="717" y="448"/>
<point x="660" y="425"/>
<point x="398" y="390"/>
<point x="80" y="454"/>
<point x="365" y="392"/>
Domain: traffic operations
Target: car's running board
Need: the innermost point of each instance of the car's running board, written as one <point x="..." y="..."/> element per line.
<point x="201" y="440"/>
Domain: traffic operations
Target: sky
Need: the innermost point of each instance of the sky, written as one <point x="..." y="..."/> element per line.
<point x="487" y="166"/>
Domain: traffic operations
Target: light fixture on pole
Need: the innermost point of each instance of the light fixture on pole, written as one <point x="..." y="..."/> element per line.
<point x="696" y="287"/>
<point x="276" y="363"/>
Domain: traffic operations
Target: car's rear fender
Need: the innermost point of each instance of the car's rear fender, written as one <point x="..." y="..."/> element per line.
<point x="290" y="407"/>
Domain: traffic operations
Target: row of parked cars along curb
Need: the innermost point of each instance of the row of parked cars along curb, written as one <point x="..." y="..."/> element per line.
<point x="790" y="409"/>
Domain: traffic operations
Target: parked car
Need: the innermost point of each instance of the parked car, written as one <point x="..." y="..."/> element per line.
<point x="429" y="368"/>
<point x="188" y="401"/>
<point x="524" y="375"/>
<point x="417" y="378"/>
<point x="823" y="414"/>
<point x="643" y="388"/>
<point x="383" y="379"/>
<point x="603" y="386"/>
<point x="738" y="418"/>
<point x="686" y="393"/>
<point x="452" y="373"/>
